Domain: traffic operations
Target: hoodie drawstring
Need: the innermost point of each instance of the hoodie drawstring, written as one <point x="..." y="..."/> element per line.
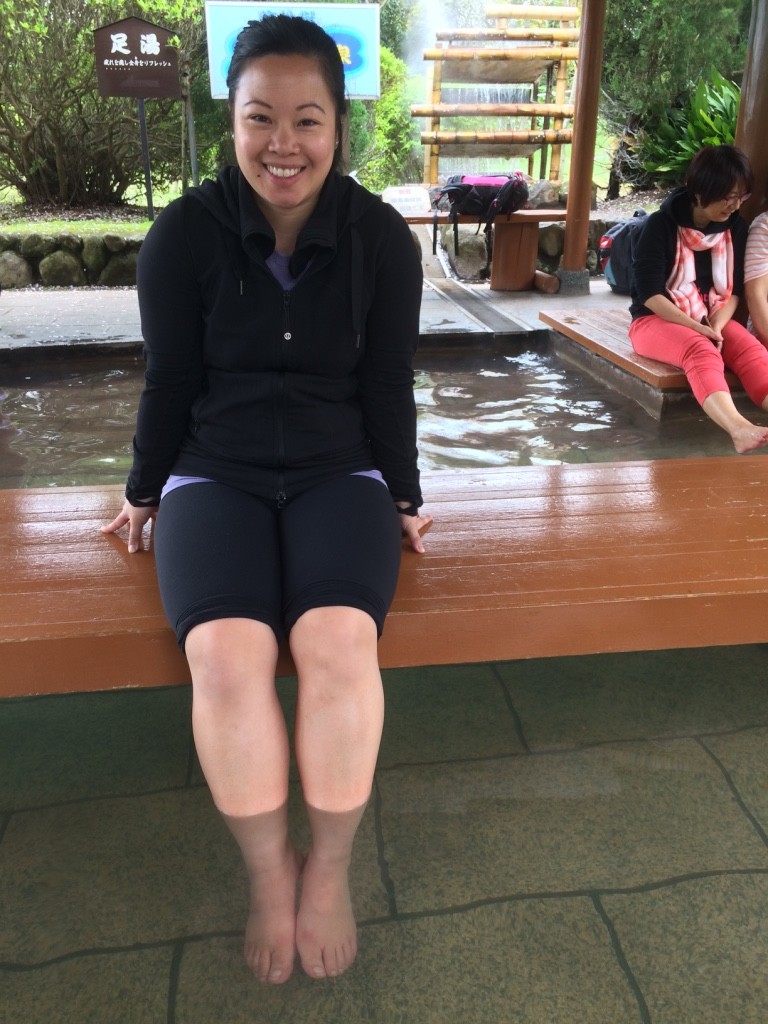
<point x="356" y="281"/>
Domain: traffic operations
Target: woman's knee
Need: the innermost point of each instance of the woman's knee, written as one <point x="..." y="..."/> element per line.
<point x="656" y="338"/>
<point x="229" y="656"/>
<point x="334" y="640"/>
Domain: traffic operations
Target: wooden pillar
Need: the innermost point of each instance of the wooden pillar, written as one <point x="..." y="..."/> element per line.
<point x="751" y="134"/>
<point x="584" y="134"/>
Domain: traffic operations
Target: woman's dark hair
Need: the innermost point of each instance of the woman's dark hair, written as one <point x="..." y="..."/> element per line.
<point x="716" y="171"/>
<point x="286" y="36"/>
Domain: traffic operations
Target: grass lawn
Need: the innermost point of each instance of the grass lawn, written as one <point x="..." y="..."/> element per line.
<point x="81" y="227"/>
<point x="130" y="219"/>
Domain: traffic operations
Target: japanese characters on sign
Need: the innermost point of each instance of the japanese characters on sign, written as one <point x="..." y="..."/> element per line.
<point x="133" y="58"/>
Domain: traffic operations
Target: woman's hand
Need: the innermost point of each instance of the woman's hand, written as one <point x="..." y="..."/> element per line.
<point x="718" y="320"/>
<point x="414" y="528"/>
<point x="136" y="518"/>
<point x="711" y="331"/>
<point x="667" y="310"/>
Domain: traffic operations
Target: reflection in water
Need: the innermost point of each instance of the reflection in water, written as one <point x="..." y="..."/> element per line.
<point x="71" y="422"/>
<point x="529" y="408"/>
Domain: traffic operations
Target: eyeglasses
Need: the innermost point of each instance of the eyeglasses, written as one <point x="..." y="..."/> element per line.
<point x="738" y="198"/>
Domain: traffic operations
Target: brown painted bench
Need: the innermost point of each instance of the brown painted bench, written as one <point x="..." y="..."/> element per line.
<point x="515" y="247"/>
<point x="604" y="331"/>
<point x="521" y="563"/>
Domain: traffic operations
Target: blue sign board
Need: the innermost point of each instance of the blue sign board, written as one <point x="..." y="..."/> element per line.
<point x="354" y="27"/>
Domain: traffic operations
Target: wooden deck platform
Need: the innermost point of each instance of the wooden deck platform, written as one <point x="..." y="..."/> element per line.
<point x="521" y="563"/>
<point x="657" y="387"/>
<point x="604" y="331"/>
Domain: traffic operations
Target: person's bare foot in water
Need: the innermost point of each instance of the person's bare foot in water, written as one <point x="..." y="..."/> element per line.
<point x="326" y="934"/>
<point x="749" y="437"/>
<point x="270" y="932"/>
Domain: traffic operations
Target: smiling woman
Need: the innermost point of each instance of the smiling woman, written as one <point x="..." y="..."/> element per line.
<point x="276" y="444"/>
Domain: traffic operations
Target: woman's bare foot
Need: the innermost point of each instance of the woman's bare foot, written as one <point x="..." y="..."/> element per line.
<point x="270" y="933"/>
<point x="748" y="438"/>
<point x="326" y="934"/>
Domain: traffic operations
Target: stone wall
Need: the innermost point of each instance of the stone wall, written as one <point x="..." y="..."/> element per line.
<point x="67" y="260"/>
<point x="472" y="258"/>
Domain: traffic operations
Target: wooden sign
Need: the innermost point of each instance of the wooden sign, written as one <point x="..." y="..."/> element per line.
<point x="133" y="58"/>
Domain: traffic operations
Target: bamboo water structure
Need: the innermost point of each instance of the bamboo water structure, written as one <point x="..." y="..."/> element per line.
<point x="536" y="56"/>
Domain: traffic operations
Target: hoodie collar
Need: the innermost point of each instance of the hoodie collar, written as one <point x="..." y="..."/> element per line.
<point x="230" y="199"/>
<point x="342" y="201"/>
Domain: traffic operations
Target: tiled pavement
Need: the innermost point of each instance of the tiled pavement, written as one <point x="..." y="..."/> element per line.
<point x="550" y="842"/>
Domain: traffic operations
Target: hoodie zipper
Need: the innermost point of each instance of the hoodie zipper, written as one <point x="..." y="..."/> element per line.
<point x="287" y="335"/>
<point x="286" y="316"/>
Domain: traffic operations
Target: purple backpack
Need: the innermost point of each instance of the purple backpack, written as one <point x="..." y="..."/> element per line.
<point x="484" y="196"/>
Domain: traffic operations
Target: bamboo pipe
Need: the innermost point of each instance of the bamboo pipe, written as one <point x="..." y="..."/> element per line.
<point x="532" y="13"/>
<point x="484" y="34"/>
<point x="434" y="150"/>
<point x="493" y="110"/>
<point x="510" y="53"/>
<point x="556" y="154"/>
<point x="442" y="138"/>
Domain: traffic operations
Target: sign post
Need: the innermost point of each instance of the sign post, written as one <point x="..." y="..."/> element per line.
<point x="145" y="157"/>
<point x="135" y="58"/>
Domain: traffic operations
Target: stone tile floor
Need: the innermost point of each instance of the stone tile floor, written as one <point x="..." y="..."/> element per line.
<point x="570" y="841"/>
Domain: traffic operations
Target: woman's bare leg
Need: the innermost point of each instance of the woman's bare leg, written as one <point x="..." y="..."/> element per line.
<point x="746" y="436"/>
<point x="339" y="719"/>
<point x="242" y="743"/>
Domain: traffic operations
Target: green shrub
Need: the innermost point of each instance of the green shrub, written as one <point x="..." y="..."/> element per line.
<point x="393" y="154"/>
<point x="708" y="120"/>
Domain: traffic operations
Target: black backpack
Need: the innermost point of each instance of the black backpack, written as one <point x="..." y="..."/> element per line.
<point x="484" y="196"/>
<point x="617" y="251"/>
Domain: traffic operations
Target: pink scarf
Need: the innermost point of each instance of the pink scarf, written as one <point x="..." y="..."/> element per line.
<point x="681" y="283"/>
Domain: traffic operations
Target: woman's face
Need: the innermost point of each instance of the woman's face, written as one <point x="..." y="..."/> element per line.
<point x="721" y="209"/>
<point x="284" y="123"/>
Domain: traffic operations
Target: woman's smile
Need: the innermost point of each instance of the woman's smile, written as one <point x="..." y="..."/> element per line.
<point x="283" y="172"/>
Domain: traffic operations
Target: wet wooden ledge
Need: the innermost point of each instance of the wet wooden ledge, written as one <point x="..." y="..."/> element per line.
<point x="525" y="562"/>
<point x="605" y="332"/>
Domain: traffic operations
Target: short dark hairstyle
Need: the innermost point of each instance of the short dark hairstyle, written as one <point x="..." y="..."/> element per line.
<point x="715" y="171"/>
<point x="286" y="36"/>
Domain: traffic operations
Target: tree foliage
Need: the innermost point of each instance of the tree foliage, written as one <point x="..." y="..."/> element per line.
<point x="393" y="155"/>
<point x="655" y="53"/>
<point x="61" y="142"/>
<point x="708" y="119"/>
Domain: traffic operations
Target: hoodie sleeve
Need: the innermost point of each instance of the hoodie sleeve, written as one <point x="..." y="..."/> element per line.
<point x="172" y="327"/>
<point x="385" y="374"/>
<point x="653" y="258"/>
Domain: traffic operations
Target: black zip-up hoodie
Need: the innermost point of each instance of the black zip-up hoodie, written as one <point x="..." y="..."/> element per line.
<point x="269" y="390"/>
<point x="657" y="245"/>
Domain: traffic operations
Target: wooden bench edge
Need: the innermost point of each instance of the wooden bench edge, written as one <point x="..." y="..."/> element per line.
<point x="663" y="376"/>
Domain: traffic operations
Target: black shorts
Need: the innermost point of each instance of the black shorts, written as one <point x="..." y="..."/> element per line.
<point x="221" y="553"/>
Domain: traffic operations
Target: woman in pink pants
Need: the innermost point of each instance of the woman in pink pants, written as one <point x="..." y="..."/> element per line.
<point x="688" y="277"/>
